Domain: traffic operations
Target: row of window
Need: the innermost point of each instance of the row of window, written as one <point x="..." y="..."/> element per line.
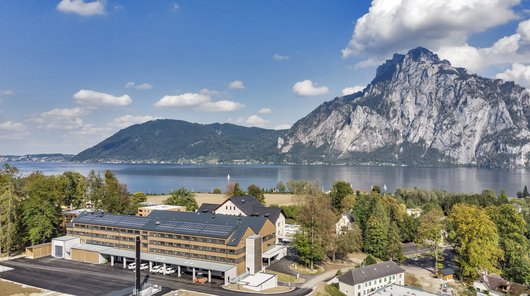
<point x="197" y="256"/>
<point x="187" y="237"/>
<point x="107" y="236"/>
<point x="386" y="279"/>
<point x="105" y="228"/>
<point x="107" y="244"/>
<point x="197" y="247"/>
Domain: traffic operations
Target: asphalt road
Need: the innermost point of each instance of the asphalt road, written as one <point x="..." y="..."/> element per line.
<point x="90" y="279"/>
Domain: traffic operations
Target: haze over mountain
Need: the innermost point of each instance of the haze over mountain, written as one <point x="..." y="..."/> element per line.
<point x="418" y="110"/>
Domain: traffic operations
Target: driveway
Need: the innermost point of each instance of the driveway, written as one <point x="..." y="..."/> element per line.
<point x="90" y="279"/>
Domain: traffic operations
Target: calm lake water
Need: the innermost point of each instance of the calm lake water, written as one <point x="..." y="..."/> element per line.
<point x="160" y="178"/>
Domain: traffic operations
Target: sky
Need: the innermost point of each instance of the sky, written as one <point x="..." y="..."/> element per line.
<point x="74" y="72"/>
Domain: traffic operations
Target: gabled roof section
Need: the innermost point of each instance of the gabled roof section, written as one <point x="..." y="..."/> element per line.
<point x="249" y="205"/>
<point x="208" y="208"/>
<point x="370" y="272"/>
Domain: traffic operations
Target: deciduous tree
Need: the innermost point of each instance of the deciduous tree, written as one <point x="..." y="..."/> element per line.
<point x="255" y="191"/>
<point x="430" y="233"/>
<point x="183" y="197"/>
<point x="339" y="191"/>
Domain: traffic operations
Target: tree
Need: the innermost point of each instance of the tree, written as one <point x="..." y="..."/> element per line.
<point x="339" y="191"/>
<point x="376" y="237"/>
<point x="300" y="186"/>
<point x="349" y="241"/>
<point x="369" y="260"/>
<point x="308" y="251"/>
<point x="73" y="187"/>
<point x="10" y="199"/>
<point x="136" y="199"/>
<point x="502" y="198"/>
<point x="116" y="198"/>
<point x="280" y="187"/>
<point x="233" y="189"/>
<point x="216" y="190"/>
<point x="95" y="189"/>
<point x="409" y="228"/>
<point x="255" y="191"/>
<point x="183" y="197"/>
<point x="40" y="209"/>
<point x="348" y="202"/>
<point x="393" y="245"/>
<point x="512" y="241"/>
<point x="475" y="240"/>
<point x="430" y="233"/>
<point x="525" y="192"/>
<point x="317" y="221"/>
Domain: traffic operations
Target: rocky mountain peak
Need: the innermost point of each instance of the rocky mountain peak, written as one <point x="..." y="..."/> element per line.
<point x="419" y="110"/>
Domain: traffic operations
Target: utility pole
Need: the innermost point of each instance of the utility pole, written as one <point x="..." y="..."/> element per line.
<point x="137" y="286"/>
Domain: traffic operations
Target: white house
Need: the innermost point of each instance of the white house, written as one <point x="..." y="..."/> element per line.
<point x="367" y="279"/>
<point x="248" y="206"/>
<point x="344" y="223"/>
<point x="395" y="290"/>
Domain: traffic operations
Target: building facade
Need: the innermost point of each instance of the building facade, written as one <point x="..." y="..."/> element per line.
<point x="145" y="211"/>
<point x="186" y="240"/>
<point x="368" y="279"/>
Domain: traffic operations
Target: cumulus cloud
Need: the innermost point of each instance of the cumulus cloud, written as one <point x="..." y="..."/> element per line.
<point x="209" y="92"/>
<point x="174" y="7"/>
<point x="518" y="73"/>
<point x="256" y="120"/>
<point x="265" y="111"/>
<point x="510" y="49"/>
<point x="183" y="100"/>
<point x="351" y="90"/>
<point x="61" y="118"/>
<point x="81" y="7"/>
<point x="282" y="126"/>
<point x="221" y="106"/>
<point x="199" y="101"/>
<point x="128" y="120"/>
<point x="6" y="93"/>
<point x="10" y="130"/>
<point x="94" y="98"/>
<point x="236" y="84"/>
<point x="397" y="25"/>
<point x="280" y="58"/>
<point x="141" y="86"/>
<point x="308" y="88"/>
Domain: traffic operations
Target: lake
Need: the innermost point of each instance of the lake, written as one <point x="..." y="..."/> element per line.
<point x="163" y="178"/>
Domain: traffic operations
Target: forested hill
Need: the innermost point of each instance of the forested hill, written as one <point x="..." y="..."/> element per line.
<point x="185" y="142"/>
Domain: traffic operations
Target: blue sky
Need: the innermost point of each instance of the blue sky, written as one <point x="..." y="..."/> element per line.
<point x="74" y="72"/>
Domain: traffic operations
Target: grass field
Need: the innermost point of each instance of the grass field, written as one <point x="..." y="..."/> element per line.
<point x="10" y="288"/>
<point x="279" y="199"/>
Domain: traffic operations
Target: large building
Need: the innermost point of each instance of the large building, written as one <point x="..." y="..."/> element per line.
<point x="146" y="210"/>
<point x="248" y="206"/>
<point x="218" y="245"/>
<point x="367" y="279"/>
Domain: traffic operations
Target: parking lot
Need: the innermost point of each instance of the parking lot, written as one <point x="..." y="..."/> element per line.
<point x="90" y="279"/>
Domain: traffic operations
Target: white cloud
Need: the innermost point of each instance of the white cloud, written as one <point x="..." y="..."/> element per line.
<point x="198" y="101"/>
<point x="308" y="88"/>
<point x="510" y="49"/>
<point x="397" y="25"/>
<point x="351" y="90"/>
<point x="94" y="98"/>
<point x="280" y="58"/>
<point x="236" y="84"/>
<point x="6" y="93"/>
<point x="61" y="118"/>
<point x="183" y="100"/>
<point x="265" y="111"/>
<point x="81" y="7"/>
<point x="141" y="86"/>
<point x="10" y="130"/>
<point x="209" y="92"/>
<point x="282" y="126"/>
<point x="128" y="120"/>
<point x="221" y="106"/>
<point x="255" y="120"/>
<point x="174" y="7"/>
<point x="518" y="73"/>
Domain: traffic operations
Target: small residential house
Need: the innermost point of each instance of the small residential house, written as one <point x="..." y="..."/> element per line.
<point x="446" y="274"/>
<point x="367" y="279"/>
<point x="248" y="206"/>
<point x="494" y="284"/>
<point x="344" y="223"/>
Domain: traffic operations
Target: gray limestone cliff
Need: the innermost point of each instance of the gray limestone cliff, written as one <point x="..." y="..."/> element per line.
<point x="418" y="110"/>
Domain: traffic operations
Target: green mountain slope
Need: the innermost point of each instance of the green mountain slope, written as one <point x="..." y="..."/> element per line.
<point x="185" y="142"/>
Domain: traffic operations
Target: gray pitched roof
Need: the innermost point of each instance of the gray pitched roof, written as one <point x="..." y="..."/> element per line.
<point x="208" y="208"/>
<point x="371" y="272"/>
<point x="190" y="223"/>
<point x="249" y="205"/>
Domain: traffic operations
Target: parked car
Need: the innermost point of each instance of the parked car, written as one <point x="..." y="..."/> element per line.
<point x="131" y="266"/>
<point x="170" y="270"/>
<point x="156" y="269"/>
<point x="144" y="266"/>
